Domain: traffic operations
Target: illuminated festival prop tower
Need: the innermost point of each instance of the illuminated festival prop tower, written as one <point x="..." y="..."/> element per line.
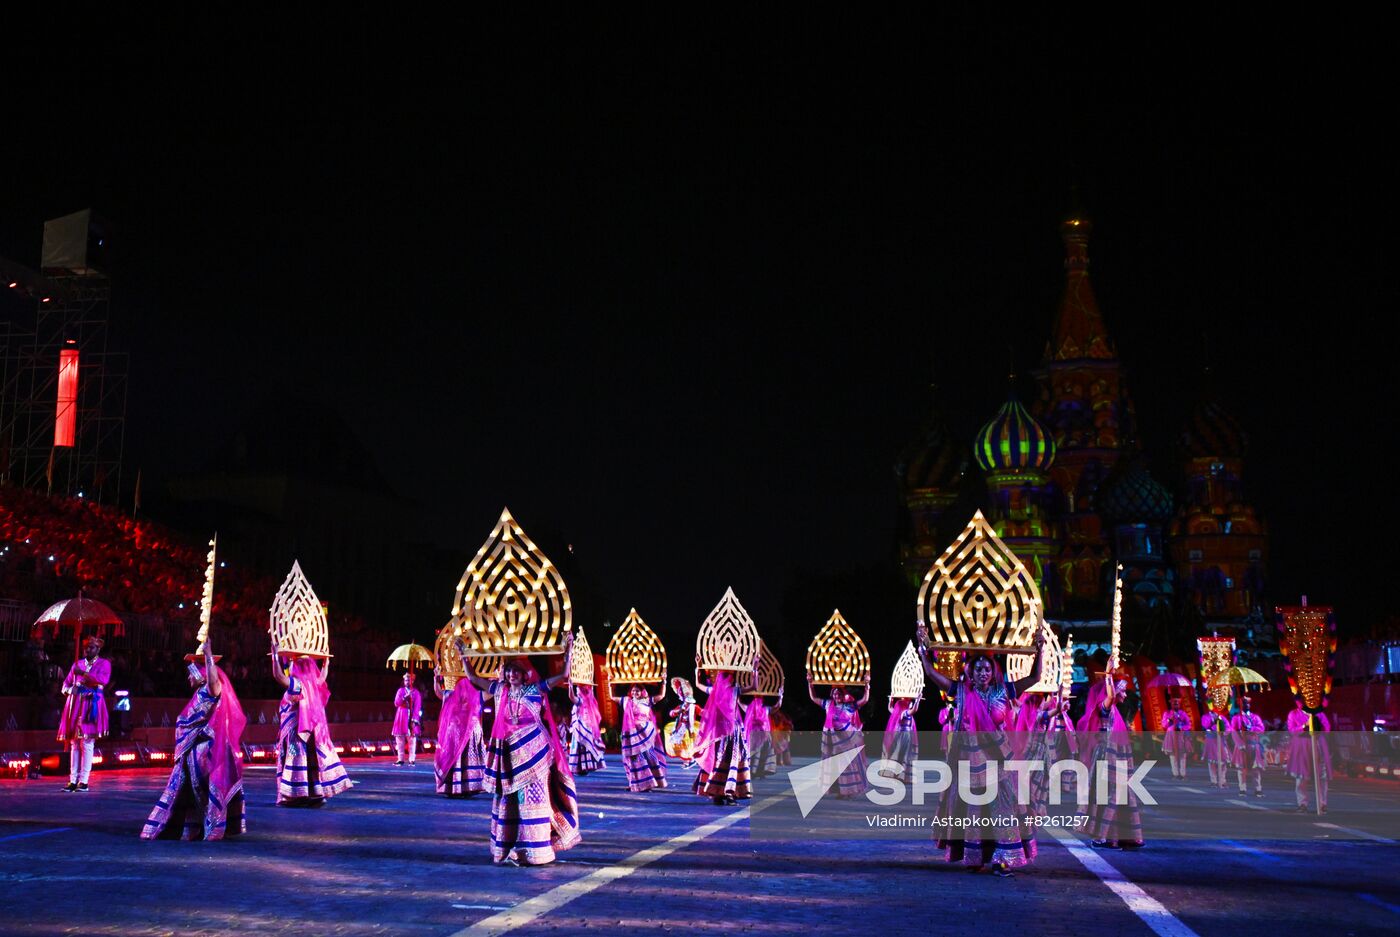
<point x="511" y="598"/>
<point x="635" y="654"/>
<point x="728" y="639"/>
<point x="837" y="656"/>
<point x="297" y="619"/>
<point x="979" y="596"/>
<point x="1309" y="639"/>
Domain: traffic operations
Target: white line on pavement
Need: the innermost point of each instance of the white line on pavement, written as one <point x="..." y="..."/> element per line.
<point x="57" y="829"/>
<point x="1245" y="803"/>
<point x="540" y="905"/>
<point x="1376" y="901"/>
<point x="1194" y="790"/>
<point x="1148" y="909"/>
<point x="1362" y="833"/>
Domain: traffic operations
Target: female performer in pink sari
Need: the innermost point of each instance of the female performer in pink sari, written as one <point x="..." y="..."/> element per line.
<point x="901" y="743"/>
<point x="84" y="716"/>
<point x="1112" y="825"/>
<point x="981" y="709"/>
<point x="1216" y="752"/>
<point x="585" y="732"/>
<point x="459" y="764"/>
<point x="1306" y="749"/>
<point x="842" y="732"/>
<point x="534" y="804"/>
<point x="204" y="797"/>
<point x="721" y="748"/>
<point x="1176" y="723"/>
<point x="758" y="731"/>
<point x="309" y="772"/>
<point x="642" y="756"/>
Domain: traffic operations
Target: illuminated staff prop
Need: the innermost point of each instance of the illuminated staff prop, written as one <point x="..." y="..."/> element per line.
<point x="1308" y="642"/>
<point x="907" y="681"/>
<point x="206" y="600"/>
<point x="770" y="674"/>
<point x="979" y="596"/>
<point x="728" y="639"/>
<point x="837" y="656"/>
<point x="1217" y="654"/>
<point x="511" y="598"/>
<point x="297" y="620"/>
<point x="634" y="653"/>
<point x="1115" y="646"/>
<point x="581" y="660"/>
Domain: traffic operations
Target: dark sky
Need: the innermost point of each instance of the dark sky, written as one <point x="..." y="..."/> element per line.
<point x="681" y="305"/>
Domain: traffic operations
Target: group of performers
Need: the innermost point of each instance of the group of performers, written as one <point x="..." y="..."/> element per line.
<point x="530" y="773"/>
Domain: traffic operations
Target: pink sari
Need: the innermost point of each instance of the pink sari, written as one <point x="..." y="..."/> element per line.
<point x="1105" y="736"/>
<point x="459" y="725"/>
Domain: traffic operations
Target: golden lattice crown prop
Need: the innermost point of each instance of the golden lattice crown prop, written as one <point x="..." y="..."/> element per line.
<point x="297" y="620"/>
<point x="1052" y="661"/>
<point x="907" y="681"/>
<point x="837" y="656"/>
<point x="1217" y="656"/>
<point x="770" y="674"/>
<point x="635" y="654"/>
<point x="511" y="599"/>
<point x="581" y="659"/>
<point x="728" y="639"/>
<point x="1308" y="640"/>
<point x="979" y="596"/>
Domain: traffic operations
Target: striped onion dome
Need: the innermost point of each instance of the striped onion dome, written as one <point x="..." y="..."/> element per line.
<point x="1013" y="439"/>
<point x="1211" y="430"/>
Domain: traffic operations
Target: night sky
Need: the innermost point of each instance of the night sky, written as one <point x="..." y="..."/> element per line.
<point x="682" y="306"/>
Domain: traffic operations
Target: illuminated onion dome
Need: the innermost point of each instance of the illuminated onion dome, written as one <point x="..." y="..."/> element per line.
<point x="1131" y="494"/>
<point x="1013" y="440"/>
<point x="1212" y="431"/>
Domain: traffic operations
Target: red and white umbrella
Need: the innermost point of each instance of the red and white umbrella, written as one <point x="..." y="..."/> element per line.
<point x="78" y="614"/>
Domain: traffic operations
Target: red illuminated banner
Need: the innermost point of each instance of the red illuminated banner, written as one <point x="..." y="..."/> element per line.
<point x="66" y="418"/>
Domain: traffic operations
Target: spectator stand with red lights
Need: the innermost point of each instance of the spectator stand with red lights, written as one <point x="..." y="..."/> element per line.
<point x="51" y="547"/>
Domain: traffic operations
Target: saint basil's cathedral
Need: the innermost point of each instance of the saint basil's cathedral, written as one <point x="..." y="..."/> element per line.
<point x="1068" y="489"/>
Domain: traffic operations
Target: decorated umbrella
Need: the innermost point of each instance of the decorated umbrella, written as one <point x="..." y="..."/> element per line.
<point x="78" y="614"/>
<point x="1168" y="681"/>
<point x="1238" y="676"/>
<point x="410" y="655"/>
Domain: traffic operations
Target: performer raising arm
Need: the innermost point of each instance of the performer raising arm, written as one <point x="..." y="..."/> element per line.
<point x="642" y="756"/>
<point x="309" y="771"/>
<point x="534" y="805"/>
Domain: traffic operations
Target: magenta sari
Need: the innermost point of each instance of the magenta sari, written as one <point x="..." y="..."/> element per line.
<point x="459" y="764"/>
<point x="721" y="748"/>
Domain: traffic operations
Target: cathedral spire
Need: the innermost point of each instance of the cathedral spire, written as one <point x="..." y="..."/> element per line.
<point x="1079" y="330"/>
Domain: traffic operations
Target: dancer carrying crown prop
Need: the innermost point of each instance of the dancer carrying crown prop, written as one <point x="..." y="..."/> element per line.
<point x="459" y="764"/>
<point x="309" y="772"/>
<point x="721" y="747"/>
<point x="642" y="756"/>
<point x="842" y="732"/>
<point x="982" y="706"/>
<point x="534" y="804"/>
<point x="758" y="730"/>
<point x="585" y="731"/>
<point x="84" y="717"/>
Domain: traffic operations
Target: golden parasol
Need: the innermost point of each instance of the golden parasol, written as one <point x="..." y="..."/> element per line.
<point x="410" y="655"/>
